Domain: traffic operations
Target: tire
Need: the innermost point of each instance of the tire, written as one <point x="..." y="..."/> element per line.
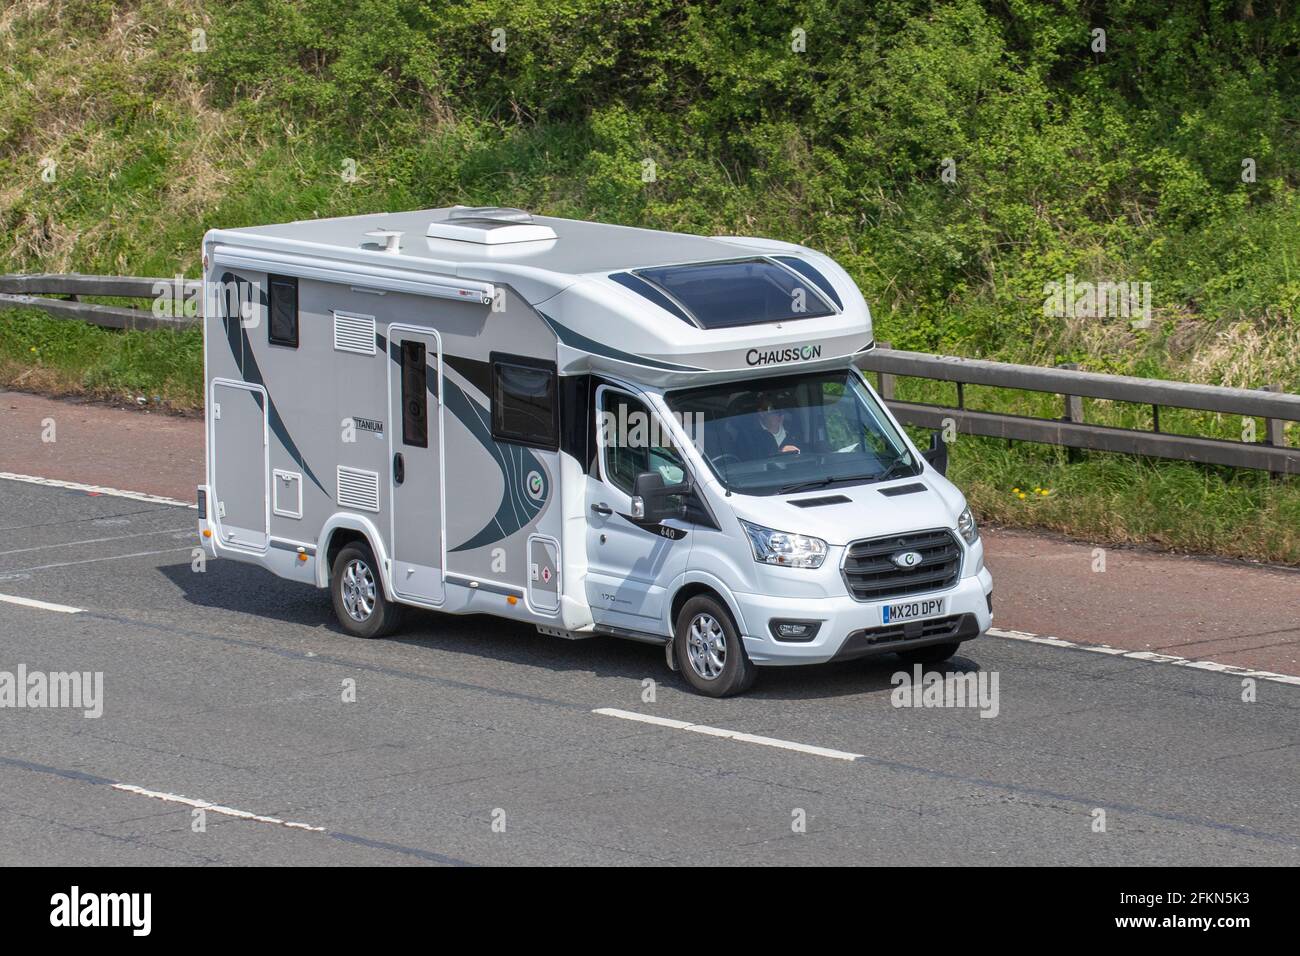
<point x="358" y="594"/>
<point x="710" y="654"/>
<point x="934" y="654"/>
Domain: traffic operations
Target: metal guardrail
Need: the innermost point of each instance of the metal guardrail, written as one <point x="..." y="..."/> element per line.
<point x="34" y="291"/>
<point x="1269" y="403"/>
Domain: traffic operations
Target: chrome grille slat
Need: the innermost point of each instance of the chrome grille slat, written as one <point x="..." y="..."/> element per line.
<point x="871" y="576"/>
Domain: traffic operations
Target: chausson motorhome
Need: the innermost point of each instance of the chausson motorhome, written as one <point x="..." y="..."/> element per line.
<point x="595" y="429"/>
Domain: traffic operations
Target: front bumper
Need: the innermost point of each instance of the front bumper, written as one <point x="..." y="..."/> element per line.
<point x="851" y="629"/>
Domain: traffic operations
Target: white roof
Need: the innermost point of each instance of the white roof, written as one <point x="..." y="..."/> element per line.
<point x="564" y="277"/>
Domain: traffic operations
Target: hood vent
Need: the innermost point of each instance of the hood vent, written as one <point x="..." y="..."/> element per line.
<point x="489" y="226"/>
<point x="897" y="490"/>
<point x="818" y="502"/>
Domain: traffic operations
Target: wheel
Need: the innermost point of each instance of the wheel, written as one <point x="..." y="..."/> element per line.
<point x="710" y="653"/>
<point x="934" y="654"/>
<point x="359" y="601"/>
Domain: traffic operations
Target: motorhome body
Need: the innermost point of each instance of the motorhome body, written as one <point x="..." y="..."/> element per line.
<point x="408" y="408"/>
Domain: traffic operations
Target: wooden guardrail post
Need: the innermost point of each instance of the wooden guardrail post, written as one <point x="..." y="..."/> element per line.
<point x="885" y="380"/>
<point x="1274" y="431"/>
<point x="1073" y="412"/>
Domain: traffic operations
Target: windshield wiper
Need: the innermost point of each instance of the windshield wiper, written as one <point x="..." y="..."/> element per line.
<point x="812" y="483"/>
<point x="889" y="472"/>
<point x="820" y="482"/>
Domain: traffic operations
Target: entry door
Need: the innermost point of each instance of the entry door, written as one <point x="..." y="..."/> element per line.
<point x="630" y="562"/>
<point x="239" y="464"/>
<point x="415" y="466"/>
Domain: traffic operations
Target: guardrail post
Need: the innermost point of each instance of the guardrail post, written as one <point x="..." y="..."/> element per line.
<point x="1274" y="431"/>
<point x="1073" y="411"/>
<point x="884" y="380"/>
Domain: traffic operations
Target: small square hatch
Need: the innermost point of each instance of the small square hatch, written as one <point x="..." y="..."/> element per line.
<point x="489" y="226"/>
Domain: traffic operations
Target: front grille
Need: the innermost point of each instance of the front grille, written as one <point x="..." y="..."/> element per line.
<point x="910" y="631"/>
<point x="871" y="575"/>
<point x="883" y="640"/>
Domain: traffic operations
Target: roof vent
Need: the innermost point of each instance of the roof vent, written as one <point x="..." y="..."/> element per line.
<point x="390" y="239"/>
<point x="488" y="226"/>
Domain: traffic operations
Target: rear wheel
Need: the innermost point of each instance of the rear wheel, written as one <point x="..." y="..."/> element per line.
<point x="358" y="594"/>
<point x="709" y="651"/>
<point x="934" y="654"/>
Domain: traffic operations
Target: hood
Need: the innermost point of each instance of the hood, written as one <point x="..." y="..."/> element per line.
<point x="840" y="514"/>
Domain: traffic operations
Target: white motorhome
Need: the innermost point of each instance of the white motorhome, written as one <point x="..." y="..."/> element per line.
<point x="595" y="429"/>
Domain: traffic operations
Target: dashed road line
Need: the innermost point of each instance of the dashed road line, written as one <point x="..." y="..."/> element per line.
<point x="40" y="605"/>
<point x="728" y="734"/>
<point x="108" y="557"/>
<point x="209" y="807"/>
<point x="1149" y="656"/>
<point x="353" y="839"/>
<point x="99" y="490"/>
<point x="116" y="537"/>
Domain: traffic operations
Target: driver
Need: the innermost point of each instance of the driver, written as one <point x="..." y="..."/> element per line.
<point x="774" y="438"/>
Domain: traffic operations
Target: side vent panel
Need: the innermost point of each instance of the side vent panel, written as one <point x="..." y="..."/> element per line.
<point x="358" y="488"/>
<point x="354" y="333"/>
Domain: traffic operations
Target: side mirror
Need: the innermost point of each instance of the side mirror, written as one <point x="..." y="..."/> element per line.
<point x="937" y="454"/>
<point x="652" y="499"/>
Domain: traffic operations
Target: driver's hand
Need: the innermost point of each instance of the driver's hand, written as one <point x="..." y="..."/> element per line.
<point x="790" y="448"/>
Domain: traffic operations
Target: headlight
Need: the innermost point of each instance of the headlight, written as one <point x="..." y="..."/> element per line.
<point x="784" y="548"/>
<point x="966" y="525"/>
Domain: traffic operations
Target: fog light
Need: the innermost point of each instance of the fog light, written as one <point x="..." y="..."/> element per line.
<point x="794" y="630"/>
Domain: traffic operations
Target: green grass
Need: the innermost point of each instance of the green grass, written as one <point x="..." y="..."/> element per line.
<point x="62" y="357"/>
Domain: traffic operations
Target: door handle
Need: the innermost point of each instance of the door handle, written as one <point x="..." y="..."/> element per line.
<point x="602" y="509"/>
<point x="399" y="469"/>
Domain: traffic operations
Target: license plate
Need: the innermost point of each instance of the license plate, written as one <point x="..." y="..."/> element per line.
<point x="911" y="610"/>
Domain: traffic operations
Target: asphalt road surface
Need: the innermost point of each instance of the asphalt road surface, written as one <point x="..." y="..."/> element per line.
<point x="473" y="740"/>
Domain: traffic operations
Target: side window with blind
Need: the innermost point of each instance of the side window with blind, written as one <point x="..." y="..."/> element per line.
<point x="525" y="409"/>
<point x="282" y="311"/>
<point x="415" y="395"/>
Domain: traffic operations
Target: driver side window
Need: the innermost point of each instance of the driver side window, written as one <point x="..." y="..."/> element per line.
<point x="633" y="441"/>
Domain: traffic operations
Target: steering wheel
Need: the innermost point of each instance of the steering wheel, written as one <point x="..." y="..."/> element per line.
<point x="718" y="459"/>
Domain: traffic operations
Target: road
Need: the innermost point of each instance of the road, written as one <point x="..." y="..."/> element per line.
<point x="477" y="741"/>
<point x="1227" y="612"/>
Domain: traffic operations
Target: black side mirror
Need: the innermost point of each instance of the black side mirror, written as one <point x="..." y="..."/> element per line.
<point x="652" y="499"/>
<point x="937" y="454"/>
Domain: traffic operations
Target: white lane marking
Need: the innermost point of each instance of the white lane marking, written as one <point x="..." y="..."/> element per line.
<point x="727" y="734"/>
<point x="116" y="537"/>
<point x="41" y="605"/>
<point x="99" y="490"/>
<point x="213" y="807"/>
<point x="111" y="557"/>
<point x="1149" y="656"/>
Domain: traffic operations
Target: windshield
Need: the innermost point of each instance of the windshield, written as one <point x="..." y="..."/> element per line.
<point x="794" y="433"/>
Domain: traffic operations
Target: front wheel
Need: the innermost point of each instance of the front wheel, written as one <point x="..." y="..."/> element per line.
<point x="358" y="594"/>
<point x="709" y="651"/>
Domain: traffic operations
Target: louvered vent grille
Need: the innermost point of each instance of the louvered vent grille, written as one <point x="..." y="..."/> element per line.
<point x="358" y="489"/>
<point x="354" y="333"/>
